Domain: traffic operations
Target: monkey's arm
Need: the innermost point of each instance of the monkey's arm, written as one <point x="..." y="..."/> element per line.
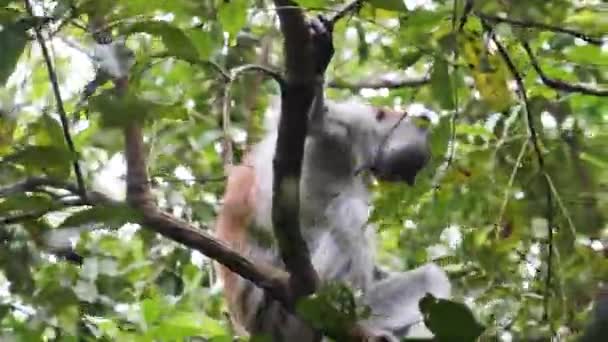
<point x="322" y="39"/>
<point x="239" y="205"/>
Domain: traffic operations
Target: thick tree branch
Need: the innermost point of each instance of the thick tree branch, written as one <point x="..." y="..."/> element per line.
<point x="389" y="81"/>
<point x="59" y="102"/>
<point x="267" y="277"/>
<point x="297" y="44"/>
<point x="541" y="26"/>
<point x="296" y="99"/>
<point x="139" y="196"/>
<point x="559" y="84"/>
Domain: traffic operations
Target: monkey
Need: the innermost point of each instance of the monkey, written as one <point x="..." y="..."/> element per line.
<point x="343" y="138"/>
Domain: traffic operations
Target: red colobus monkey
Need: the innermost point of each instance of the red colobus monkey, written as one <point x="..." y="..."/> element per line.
<point x="335" y="199"/>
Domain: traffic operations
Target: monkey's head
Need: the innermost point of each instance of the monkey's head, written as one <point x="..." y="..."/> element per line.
<point x="403" y="148"/>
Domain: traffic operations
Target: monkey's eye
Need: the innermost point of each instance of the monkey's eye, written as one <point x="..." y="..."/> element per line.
<point x="380" y="114"/>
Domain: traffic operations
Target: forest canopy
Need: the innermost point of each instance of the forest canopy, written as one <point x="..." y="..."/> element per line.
<point x="512" y="206"/>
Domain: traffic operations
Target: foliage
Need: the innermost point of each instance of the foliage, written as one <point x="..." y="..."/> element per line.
<point x="482" y="209"/>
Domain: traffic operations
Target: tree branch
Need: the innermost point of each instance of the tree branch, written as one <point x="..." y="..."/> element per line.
<point x="59" y="101"/>
<point x="267" y="277"/>
<point x="296" y="99"/>
<point x="139" y="196"/>
<point x="23" y="217"/>
<point x="35" y="184"/>
<point x="546" y="27"/>
<point x="559" y="84"/>
<point x="389" y="81"/>
<point x="353" y="6"/>
<point x="541" y="164"/>
<point x="264" y="70"/>
<point x="227" y="144"/>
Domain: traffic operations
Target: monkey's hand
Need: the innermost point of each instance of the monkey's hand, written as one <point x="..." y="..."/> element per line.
<point x="322" y="40"/>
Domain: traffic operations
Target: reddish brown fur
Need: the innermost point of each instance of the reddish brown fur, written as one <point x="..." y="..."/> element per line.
<point x="234" y="218"/>
<point x="236" y="213"/>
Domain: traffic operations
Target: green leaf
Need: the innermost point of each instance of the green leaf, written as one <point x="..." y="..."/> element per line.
<point x="362" y="46"/>
<point x="184" y="324"/>
<point x="48" y="132"/>
<point x="233" y="15"/>
<point x="390" y="5"/>
<point x="449" y="321"/>
<point x="422" y="18"/>
<point x="312" y="3"/>
<point x="52" y="160"/>
<point x="489" y="71"/>
<point x="23" y="203"/>
<point x="7" y="129"/>
<point x="589" y="20"/>
<point x="408" y="59"/>
<point x="441" y="84"/>
<point x="111" y="216"/>
<point x="175" y="40"/>
<point x="439" y="138"/>
<point x="202" y="41"/>
<point x="13" y="40"/>
<point x="333" y="308"/>
<point x="588" y="54"/>
<point x="151" y="310"/>
<point x="119" y="111"/>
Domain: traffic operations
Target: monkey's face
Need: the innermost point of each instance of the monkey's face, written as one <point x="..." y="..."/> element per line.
<point x="403" y="149"/>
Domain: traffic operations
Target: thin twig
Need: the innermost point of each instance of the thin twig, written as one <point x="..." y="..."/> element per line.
<point x="60" y="108"/>
<point x="252" y="96"/>
<point x="451" y="148"/>
<point x="505" y="200"/>
<point x="385" y="81"/>
<point x="541" y="164"/>
<point x="232" y="75"/>
<point x="546" y="27"/>
<point x="272" y="73"/>
<point x="562" y="206"/>
<point x="23" y="217"/>
<point x="200" y="62"/>
<point x="199" y="180"/>
<point x="455" y="98"/>
<point x="353" y="6"/>
<point x="36" y="184"/>
<point x="32" y="184"/>
<point x="559" y="84"/>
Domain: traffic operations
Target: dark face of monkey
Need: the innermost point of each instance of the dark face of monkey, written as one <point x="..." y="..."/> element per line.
<point x="404" y="151"/>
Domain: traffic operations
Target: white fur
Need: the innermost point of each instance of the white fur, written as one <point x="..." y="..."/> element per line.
<point x="334" y="212"/>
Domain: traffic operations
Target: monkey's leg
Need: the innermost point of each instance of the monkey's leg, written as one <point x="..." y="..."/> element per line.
<point x="394" y="300"/>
